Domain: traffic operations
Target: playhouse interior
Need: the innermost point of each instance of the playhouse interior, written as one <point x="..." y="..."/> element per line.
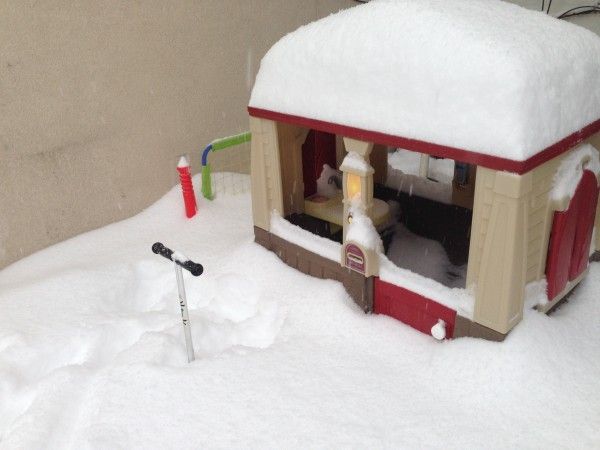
<point x="422" y="205"/>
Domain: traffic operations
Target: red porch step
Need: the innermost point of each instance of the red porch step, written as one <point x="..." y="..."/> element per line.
<point x="411" y="308"/>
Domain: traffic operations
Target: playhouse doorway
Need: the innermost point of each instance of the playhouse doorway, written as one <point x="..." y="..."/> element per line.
<point x="322" y="207"/>
<point x="318" y="150"/>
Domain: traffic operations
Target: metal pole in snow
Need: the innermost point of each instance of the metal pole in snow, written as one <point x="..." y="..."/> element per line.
<point x="185" y="317"/>
<point x="195" y="269"/>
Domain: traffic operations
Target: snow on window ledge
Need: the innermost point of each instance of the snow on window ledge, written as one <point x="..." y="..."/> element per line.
<point x="460" y="300"/>
<point x="305" y="239"/>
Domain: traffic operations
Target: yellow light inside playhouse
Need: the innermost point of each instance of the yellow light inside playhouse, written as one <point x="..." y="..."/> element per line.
<point x="353" y="184"/>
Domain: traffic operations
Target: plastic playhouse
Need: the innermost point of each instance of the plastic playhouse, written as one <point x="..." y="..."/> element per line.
<point x="475" y="84"/>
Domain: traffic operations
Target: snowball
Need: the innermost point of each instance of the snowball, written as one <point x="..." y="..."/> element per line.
<point x="438" y="331"/>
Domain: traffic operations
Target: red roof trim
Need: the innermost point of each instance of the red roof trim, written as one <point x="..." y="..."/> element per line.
<point x="491" y="162"/>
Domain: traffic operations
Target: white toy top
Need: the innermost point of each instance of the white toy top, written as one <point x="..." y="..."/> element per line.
<point x="483" y="76"/>
<point x="183" y="162"/>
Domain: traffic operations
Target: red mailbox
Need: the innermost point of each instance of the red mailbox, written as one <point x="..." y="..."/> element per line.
<point x="355" y="258"/>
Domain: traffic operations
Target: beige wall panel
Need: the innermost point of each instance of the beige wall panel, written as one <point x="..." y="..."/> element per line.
<point x="98" y="100"/>
<point x="498" y="266"/>
<point x="258" y="179"/>
<point x="482" y="208"/>
<point x="540" y="219"/>
<point x="266" y="172"/>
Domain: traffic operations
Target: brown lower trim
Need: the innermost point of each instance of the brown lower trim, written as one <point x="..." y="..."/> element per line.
<point x="562" y="301"/>
<point x="262" y="237"/>
<point x="479" y="159"/>
<point x="464" y="327"/>
<point x="357" y="286"/>
<point x="562" y="297"/>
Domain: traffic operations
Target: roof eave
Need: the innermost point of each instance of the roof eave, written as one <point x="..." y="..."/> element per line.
<point x="442" y="151"/>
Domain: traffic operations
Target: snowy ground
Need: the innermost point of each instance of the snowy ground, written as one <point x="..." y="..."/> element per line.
<point x="92" y="354"/>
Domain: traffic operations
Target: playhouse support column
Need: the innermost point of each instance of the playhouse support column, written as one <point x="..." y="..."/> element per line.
<point x="366" y="180"/>
<point x="265" y="172"/>
<point x="500" y="232"/>
<point x="358" y="187"/>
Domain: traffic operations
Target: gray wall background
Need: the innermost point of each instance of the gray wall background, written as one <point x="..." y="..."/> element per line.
<point x="98" y="99"/>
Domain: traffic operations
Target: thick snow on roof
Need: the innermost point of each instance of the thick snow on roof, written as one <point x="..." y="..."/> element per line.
<point x="480" y="75"/>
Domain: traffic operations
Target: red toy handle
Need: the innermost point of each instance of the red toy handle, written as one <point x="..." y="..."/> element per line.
<point x="189" y="198"/>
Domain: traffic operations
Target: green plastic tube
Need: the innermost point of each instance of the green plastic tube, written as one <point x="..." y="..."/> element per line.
<point x="206" y="184"/>
<point x="230" y="141"/>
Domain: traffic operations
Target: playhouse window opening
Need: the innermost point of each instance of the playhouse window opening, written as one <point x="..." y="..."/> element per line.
<point x="428" y="233"/>
<point x="422" y="226"/>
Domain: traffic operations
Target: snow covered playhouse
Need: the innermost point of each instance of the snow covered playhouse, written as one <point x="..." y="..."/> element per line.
<point x="506" y="99"/>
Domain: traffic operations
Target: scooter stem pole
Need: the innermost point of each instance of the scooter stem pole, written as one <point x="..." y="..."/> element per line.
<point x="184" y="314"/>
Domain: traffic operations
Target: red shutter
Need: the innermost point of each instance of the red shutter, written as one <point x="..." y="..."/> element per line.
<point x="587" y="193"/>
<point x="571" y="236"/>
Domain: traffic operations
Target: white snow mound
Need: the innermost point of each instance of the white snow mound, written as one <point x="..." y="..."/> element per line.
<point x="480" y="75"/>
<point x="92" y="353"/>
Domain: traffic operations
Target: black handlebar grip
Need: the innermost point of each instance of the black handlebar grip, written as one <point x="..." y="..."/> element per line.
<point x="194" y="268"/>
<point x="161" y="250"/>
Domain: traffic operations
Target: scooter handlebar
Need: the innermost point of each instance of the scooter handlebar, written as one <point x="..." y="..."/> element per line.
<point x="195" y="269"/>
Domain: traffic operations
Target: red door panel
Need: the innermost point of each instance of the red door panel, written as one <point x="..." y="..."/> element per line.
<point x="571" y="237"/>
<point x="587" y="193"/>
<point x="317" y="150"/>
<point x="560" y="249"/>
<point x="411" y="308"/>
